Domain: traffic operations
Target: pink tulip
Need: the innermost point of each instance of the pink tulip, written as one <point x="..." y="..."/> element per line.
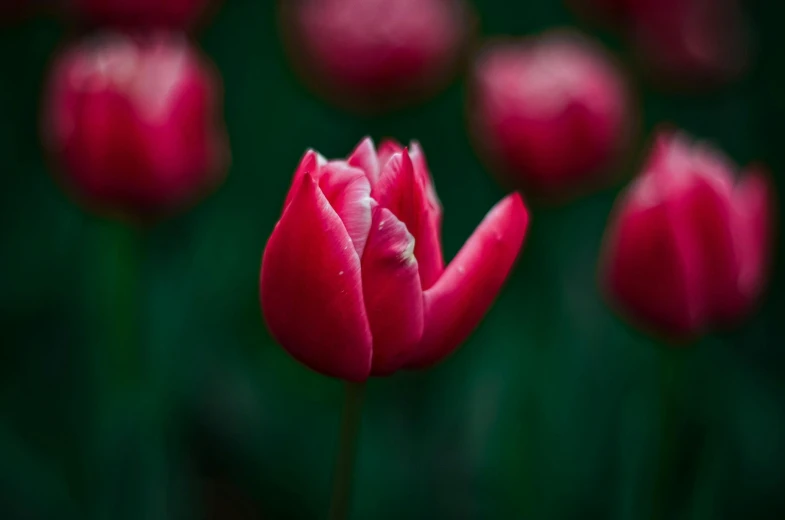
<point x="370" y="54"/>
<point x="134" y="125"/>
<point x="551" y="113"/>
<point x="688" y="246"/>
<point x="353" y="282"/>
<point x="177" y="14"/>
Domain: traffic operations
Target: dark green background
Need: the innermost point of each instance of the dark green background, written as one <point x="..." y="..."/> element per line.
<point x="551" y="410"/>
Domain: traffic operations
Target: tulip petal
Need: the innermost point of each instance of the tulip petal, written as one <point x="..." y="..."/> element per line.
<point x="309" y="164"/>
<point x="401" y="191"/>
<point x="753" y="233"/>
<point x="364" y="157"/>
<point x="393" y="295"/>
<point x="457" y="302"/>
<point x="311" y="288"/>
<point x="349" y="193"/>
<point x="703" y="215"/>
<point x="387" y="149"/>
<point x="650" y="270"/>
<point x="429" y="235"/>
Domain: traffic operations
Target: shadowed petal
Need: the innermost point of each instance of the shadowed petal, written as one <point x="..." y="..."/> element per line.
<point x="650" y="270"/>
<point x="393" y="296"/>
<point x="429" y="235"/>
<point x="457" y="302"/>
<point x="387" y="149"/>
<point x="311" y="288"/>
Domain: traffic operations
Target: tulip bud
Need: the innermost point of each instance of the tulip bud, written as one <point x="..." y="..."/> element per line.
<point x="690" y="42"/>
<point x="134" y="125"/>
<point x="177" y="14"/>
<point x="373" y="55"/>
<point x="688" y="246"/>
<point x="551" y="114"/>
<point x="353" y="282"/>
<point x="682" y="42"/>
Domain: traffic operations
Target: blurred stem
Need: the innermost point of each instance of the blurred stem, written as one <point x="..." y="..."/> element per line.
<point x="672" y="364"/>
<point x="120" y="357"/>
<point x="347" y="450"/>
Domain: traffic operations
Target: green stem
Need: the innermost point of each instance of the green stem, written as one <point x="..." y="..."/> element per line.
<point x="347" y="450"/>
<point x="671" y="379"/>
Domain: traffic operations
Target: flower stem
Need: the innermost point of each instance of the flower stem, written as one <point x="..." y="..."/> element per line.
<point x="347" y="450"/>
<point x="671" y="380"/>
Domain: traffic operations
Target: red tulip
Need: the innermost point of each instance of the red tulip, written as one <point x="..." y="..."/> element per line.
<point x="370" y="54"/>
<point x="141" y="13"/>
<point x="353" y="282"/>
<point x="688" y="246"/>
<point x="551" y="113"/>
<point x="134" y="125"/>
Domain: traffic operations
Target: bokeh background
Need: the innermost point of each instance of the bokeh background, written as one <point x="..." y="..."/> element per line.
<point x="551" y="410"/>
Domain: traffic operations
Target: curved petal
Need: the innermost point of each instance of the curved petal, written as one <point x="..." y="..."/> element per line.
<point x="401" y="191"/>
<point x="393" y="296"/>
<point x="703" y="217"/>
<point x="387" y="149"/>
<point x="753" y="233"/>
<point x="647" y="270"/>
<point x="310" y="163"/>
<point x="457" y="302"/>
<point x="349" y="193"/>
<point x="364" y="157"/>
<point x="429" y="233"/>
<point x="311" y="288"/>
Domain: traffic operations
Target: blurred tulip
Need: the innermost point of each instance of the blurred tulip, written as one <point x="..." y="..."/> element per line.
<point x="552" y="114"/>
<point x="682" y="42"/>
<point x="690" y="42"/>
<point x="353" y="282"/>
<point x="135" y="124"/>
<point x="688" y="246"/>
<point x="177" y="14"/>
<point x="373" y="55"/>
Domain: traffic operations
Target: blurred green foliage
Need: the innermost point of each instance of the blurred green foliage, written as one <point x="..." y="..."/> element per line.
<point x="142" y="384"/>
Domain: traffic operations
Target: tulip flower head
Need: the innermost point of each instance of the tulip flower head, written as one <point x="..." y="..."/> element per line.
<point x="688" y="245"/>
<point x="177" y="14"/>
<point x="134" y="125"/>
<point x="353" y="281"/>
<point x="552" y="114"/>
<point x="375" y="54"/>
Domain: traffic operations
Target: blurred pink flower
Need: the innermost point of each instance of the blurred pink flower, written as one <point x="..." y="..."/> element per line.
<point x="134" y="124"/>
<point x="552" y="113"/>
<point x="177" y="14"/>
<point x="373" y="54"/>
<point x="688" y="245"/>
<point x="353" y="282"/>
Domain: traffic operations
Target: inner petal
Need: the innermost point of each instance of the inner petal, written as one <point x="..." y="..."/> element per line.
<point x="349" y="193"/>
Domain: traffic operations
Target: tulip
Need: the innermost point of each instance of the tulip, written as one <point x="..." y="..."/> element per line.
<point x="177" y="14"/>
<point x="353" y="282"/>
<point x="134" y="124"/>
<point x="681" y="42"/>
<point x="688" y="246"/>
<point x="372" y="55"/>
<point x="551" y="114"/>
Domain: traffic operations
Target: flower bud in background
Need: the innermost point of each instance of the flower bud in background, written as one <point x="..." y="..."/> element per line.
<point x="688" y="244"/>
<point x="176" y="14"/>
<point x="691" y="43"/>
<point x="373" y="55"/>
<point x="682" y="43"/>
<point x="135" y="125"/>
<point x="353" y="282"/>
<point x="551" y="113"/>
